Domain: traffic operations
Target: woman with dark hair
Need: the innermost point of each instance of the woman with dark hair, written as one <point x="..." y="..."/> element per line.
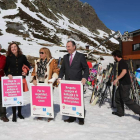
<point x="14" y="63"/>
<point x="45" y="70"/>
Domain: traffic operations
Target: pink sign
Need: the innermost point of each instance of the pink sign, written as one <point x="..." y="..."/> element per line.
<point x="71" y="94"/>
<point x="12" y="88"/>
<point x="41" y="96"/>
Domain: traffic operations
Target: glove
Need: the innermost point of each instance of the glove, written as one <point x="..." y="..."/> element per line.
<point x="52" y="80"/>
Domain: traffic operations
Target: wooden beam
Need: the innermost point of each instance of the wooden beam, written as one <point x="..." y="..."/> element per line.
<point x="127" y="57"/>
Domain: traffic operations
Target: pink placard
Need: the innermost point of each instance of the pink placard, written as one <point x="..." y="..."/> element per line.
<point x="12" y="88"/>
<point x="71" y="94"/>
<point x="41" y="96"/>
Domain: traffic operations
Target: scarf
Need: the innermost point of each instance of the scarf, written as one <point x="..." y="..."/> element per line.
<point x="41" y="69"/>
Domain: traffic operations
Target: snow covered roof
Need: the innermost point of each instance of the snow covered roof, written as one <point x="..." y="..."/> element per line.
<point x="136" y="32"/>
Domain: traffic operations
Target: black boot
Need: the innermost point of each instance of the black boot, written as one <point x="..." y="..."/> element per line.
<point x="19" y="113"/>
<point x="70" y="119"/>
<point x="81" y="121"/>
<point x="14" y="119"/>
<point x="117" y="114"/>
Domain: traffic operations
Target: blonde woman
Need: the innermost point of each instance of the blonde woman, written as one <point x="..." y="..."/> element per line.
<point x="45" y="70"/>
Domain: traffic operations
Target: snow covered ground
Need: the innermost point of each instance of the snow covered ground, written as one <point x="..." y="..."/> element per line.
<point x="100" y="124"/>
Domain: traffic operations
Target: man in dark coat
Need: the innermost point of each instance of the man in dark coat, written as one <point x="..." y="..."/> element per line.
<point x="2" y="109"/>
<point x="75" y="68"/>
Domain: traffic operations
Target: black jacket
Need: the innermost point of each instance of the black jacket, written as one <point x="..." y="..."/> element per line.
<point x="14" y="65"/>
<point x="78" y="69"/>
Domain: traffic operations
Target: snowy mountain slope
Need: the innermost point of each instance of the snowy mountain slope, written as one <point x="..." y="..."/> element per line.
<point x="33" y="29"/>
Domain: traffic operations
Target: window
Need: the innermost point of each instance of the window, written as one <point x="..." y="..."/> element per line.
<point x="136" y="47"/>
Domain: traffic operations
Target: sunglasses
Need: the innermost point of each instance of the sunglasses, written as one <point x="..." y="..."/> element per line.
<point x="41" y="52"/>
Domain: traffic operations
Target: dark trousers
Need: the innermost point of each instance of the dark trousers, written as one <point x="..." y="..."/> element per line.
<point x="2" y="109"/>
<point x="14" y="110"/>
<point x="122" y="97"/>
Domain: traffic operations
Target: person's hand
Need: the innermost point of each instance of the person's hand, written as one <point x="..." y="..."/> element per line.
<point x="23" y="74"/>
<point x="51" y="81"/>
<point x="115" y="82"/>
<point x="83" y="81"/>
<point x="58" y="81"/>
<point x="35" y="82"/>
<point x="10" y="76"/>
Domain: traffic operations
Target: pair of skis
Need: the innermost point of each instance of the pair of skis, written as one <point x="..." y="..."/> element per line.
<point x="108" y="84"/>
<point x="114" y="86"/>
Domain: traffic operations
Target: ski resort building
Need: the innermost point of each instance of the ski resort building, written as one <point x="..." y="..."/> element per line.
<point x="131" y="49"/>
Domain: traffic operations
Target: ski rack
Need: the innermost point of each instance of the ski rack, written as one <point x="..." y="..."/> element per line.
<point x="100" y="95"/>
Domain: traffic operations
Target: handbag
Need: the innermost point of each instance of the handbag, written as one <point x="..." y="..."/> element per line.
<point x="25" y="69"/>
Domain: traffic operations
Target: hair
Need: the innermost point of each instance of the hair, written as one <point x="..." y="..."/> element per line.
<point x="73" y="43"/>
<point x="117" y="53"/>
<point x="9" y="52"/>
<point x="47" y="52"/>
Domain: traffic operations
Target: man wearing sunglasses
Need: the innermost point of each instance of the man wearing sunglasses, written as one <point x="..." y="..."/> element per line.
<point x="75" y="68"/>
<point x="2" y="109"/>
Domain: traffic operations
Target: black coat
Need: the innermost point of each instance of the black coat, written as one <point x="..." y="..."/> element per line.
<point x="78" y="69"/>
<point x="14" y="65"/>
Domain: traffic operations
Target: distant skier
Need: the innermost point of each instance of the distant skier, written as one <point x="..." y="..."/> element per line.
<point x="100" y="69"/>
<point x="125" y="36"/>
